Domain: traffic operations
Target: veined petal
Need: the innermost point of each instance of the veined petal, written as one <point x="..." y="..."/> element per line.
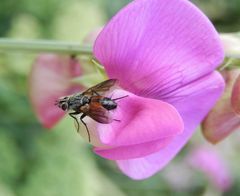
<point x="157" y="46"/>
<point x="193" y="104"/>
<point x="139" y="120"/>
<point x="132" y="151"/>
<point x="50" y="79"/>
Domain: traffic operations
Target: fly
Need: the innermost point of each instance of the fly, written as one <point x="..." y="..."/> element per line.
<point x="92" y="103"/>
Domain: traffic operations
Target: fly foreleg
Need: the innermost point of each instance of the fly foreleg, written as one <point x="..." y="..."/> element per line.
<point x="75" y="118"/>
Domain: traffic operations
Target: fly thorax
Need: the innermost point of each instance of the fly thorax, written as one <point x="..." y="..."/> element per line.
<point x="76" y="101"/>
<point x="85" y="100"/>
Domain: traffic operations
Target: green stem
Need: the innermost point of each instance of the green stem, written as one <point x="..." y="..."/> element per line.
<point x="42" y="46"/>
<point x="230" y="63"/>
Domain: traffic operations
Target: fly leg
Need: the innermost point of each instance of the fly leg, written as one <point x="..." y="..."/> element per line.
<point x="81" y="118"/>
<point x="74" y="117"/>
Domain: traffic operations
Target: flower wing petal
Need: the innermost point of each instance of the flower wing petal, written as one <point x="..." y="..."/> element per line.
<point x="50" y="79"/>
<point x="158" y="45"/>
<point x="194" y="104"/>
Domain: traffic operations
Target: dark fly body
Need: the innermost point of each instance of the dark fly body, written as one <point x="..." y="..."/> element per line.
<point x="92" y="103"/>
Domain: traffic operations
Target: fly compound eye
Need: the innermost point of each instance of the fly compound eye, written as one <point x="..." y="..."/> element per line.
<point x="64" y="106"/>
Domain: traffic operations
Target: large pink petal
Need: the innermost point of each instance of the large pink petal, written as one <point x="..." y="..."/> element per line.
<point x="50" y="79"/>
<point x="193" y="103"/>
<point x="158" y="46"/>
<point x="140" y="120"/>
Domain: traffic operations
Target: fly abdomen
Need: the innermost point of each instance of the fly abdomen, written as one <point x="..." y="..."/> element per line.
<point x="108" y="103"/>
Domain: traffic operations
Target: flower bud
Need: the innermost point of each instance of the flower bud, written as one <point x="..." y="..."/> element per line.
<point x="222" y="119"/>
<point x="235" y="99"/>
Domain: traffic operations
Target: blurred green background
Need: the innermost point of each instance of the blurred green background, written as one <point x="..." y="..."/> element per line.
<point x="34" y="161"/>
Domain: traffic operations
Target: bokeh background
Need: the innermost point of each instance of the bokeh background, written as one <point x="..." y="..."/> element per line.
<point x="39" y="162"/>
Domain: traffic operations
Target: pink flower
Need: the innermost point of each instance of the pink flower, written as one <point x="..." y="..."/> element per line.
<point x="208" y="161"/>
<point x="223" y="119"/>
<point x="50" y="79"/>
<point x="164" y="53"/>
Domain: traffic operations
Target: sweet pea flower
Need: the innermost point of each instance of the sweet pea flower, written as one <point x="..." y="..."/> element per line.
<point x="163" y="54"/>
<point x="208" y="161"/>
<point x="50" y="79"/>
<point x="224" y="119"/>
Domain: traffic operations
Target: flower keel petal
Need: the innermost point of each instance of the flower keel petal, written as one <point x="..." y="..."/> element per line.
<point x="133" y="151"/>
<point x="140" y="120"/>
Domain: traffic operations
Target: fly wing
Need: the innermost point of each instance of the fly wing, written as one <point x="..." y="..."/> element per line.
<point x="101" y="88"/>
<point x="98" y="113"/>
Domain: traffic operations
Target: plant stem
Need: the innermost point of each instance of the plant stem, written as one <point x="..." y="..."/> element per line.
<point x="41" y="46"/>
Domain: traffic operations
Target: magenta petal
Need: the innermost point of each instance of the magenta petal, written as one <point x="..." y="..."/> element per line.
<point x="50" y="79"/>
<point x="195" y="101"/>
<point x="141" y="120"/>
<point x="166" y="44"/>
<point x="133" y="151"/>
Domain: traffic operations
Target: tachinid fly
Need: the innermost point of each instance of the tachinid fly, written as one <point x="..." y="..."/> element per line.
<point x="92" y="103"/>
